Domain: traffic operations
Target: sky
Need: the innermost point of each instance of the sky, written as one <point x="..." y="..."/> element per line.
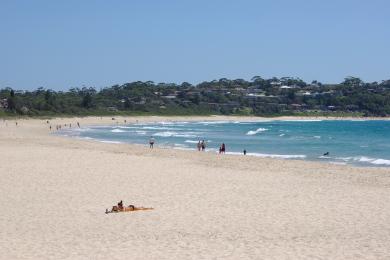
<point x="72" y="43"/>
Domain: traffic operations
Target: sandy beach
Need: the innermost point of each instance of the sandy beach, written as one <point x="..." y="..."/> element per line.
<point x="55" y="190"/>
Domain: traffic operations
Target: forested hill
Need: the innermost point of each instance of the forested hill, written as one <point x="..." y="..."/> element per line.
<point x="266" y="97"/>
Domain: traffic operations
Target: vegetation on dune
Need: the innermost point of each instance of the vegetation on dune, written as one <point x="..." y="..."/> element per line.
<point x="262" y="97"/>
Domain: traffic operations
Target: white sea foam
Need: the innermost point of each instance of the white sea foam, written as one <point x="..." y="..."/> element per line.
<point x="141" y="132"/>
<point x="317" y="137"/>
<point x="282" y="134"/>
<point x="84" y="129"/>
<point x="117" y="131"/>
<point x="109" y="142"/>
<point x="381" y="162"/>
<point x="158" y="128"/>
<point x="175" y="134"/>
<point x="165" y="134"/>
<point x="185" y="135"/>
<point x="265" y="155"/>
<point x="191" y="141"/>
<point x="87" y="138"/>
<point x="365" y="159"/>
<point x="126" y="127"/>
<point x="376" y="161"/>
<point x="282" y="156"/>
<point x="259" y="130"/>
<point x="234" y="153"/>
<point x="345" y="159"/>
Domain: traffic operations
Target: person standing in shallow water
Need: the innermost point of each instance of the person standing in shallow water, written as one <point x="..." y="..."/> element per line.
<point x="199" y="146"/>
<point x="223" y="148"/>
<point x="151" y="142"/>
<point x="203" y="145"/>
<point x="244" y="151"/>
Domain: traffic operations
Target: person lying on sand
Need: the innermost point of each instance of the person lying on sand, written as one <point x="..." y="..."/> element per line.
<point x="120" y="208"/>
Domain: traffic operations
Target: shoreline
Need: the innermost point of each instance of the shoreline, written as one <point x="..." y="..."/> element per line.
<point x="353" y="161"/>
<point x="196" y="117"/>
<point x="37" y="128"/>
<point x="107" y="121"/>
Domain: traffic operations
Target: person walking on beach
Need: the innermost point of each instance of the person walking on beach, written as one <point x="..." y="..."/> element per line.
<point x="151" y="142"/>
<point x="199" y="146"/>
<point x="78" y="124"/>
<point x="244" y="151"/>
<point x="203" y="145"/>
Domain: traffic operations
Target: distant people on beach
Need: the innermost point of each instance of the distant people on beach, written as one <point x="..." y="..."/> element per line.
<point x="151" y="142"/>
<point x="50" y="128"/>
<point x="78" y="124"/>
<point x="244" y="151"/>
<point x="203" y="145"/>
<point x="222" y="148"/>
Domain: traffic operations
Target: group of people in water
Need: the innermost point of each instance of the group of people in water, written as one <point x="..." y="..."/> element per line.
<point x="201" y="146"/>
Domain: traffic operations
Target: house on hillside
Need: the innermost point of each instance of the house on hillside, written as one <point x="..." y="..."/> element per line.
<point x="3" y="103"/>
<point x="304" y="93"/>
<point x="169" y="96"/>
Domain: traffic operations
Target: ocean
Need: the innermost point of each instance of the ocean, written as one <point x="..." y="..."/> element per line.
<point x="356" y="142"/>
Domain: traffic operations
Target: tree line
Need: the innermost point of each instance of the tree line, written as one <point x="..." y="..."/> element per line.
<point x="258" y="96"/>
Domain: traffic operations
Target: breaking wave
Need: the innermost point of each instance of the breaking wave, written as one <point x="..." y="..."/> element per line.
<point x="118" y="131"/>
<point x="259" y="130"/>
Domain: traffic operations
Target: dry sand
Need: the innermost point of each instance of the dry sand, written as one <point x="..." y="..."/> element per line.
<point x="54" y="191"/>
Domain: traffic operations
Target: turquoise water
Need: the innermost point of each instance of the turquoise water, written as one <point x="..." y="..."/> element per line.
<point x="364" y="143"/>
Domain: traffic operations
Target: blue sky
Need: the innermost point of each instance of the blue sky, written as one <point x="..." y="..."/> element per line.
<point x="72" y="43"/>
